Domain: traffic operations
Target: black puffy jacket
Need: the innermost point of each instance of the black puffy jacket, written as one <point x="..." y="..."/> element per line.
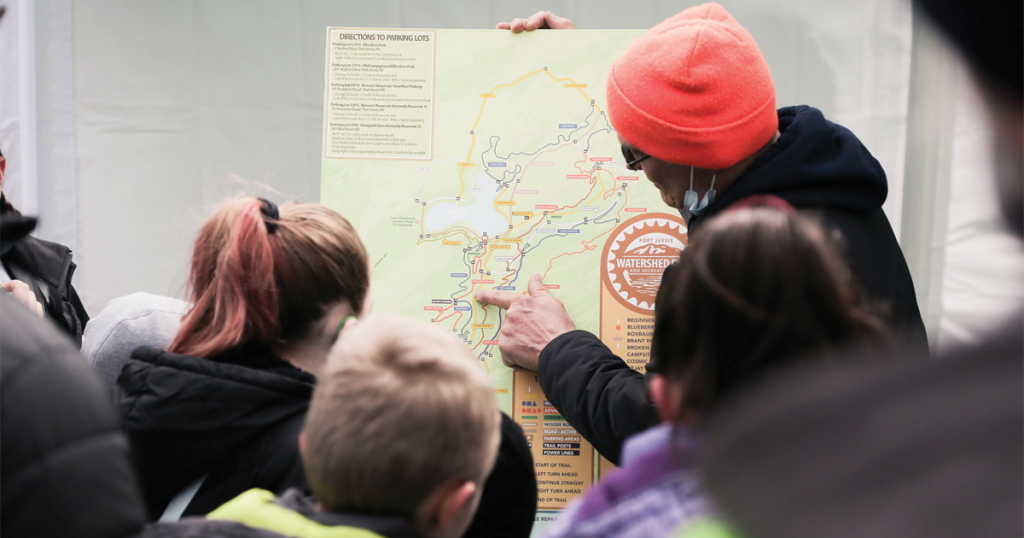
<point x="187" y="417"/>
<point x="47" y="268"/>
<point x="818" y="167"/>
<point x="238" y="425"/>
<point x="65" y="465"/>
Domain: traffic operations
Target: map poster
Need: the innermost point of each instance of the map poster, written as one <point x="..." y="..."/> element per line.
<point x="634" y="257"/>
<point x="474" y="159"/>
<point x="632" y="262"/>
<point x="380" y="94"/>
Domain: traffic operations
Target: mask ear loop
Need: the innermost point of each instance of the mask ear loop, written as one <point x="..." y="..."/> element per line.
<point x="691" y="178"/>
<point x="712" y="179"/>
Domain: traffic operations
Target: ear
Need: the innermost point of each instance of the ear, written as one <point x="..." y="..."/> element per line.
<point x="3" y="170"/>
<point x="663" y="400"/>
<point x="446" y="503"/>
<point x="302" y="445"/>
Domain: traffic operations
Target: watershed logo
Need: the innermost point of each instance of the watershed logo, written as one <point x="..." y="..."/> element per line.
<point x="636" y="255"/>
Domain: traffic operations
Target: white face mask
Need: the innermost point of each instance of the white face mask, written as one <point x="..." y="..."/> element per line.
<point x="690" y="197"/>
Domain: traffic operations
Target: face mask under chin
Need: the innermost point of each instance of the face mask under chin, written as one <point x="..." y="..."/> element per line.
<point x="692" y="204"/>
<point x="685" y="213"/>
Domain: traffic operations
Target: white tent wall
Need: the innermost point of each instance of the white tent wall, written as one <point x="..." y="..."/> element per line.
<point x="981" y="283"/>
<point x="169" y="107"/>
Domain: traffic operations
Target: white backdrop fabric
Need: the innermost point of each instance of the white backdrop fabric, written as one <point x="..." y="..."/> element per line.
<point x="145" y="115"/>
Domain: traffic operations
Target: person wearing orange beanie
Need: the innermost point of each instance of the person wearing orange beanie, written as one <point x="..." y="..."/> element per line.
<point x="693" y="103"/>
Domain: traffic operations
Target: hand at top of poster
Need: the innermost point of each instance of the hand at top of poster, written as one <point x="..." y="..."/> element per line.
<point x="541" y="20"/>
<point x="531" y="322"/>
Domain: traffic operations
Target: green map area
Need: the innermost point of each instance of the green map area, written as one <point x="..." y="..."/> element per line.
<point x="525" y="176"/>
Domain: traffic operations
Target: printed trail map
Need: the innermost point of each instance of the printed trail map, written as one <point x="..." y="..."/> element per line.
<point x="473" y="159"/>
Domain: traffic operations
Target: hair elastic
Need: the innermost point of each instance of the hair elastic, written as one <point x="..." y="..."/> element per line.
<point x="341" y="325"/>
<point x="269" y="210"/>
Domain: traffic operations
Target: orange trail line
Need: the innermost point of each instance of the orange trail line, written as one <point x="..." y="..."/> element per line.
<point x="455" y="326"/>
<point x="556" y="148"/>
<point x="596" y="236"/>
<point x="513" y="194"/>
<point x="467" y="294"/>
<point x="505" y="280"/>
<point x="553" y="211"/>
<point x="439" y="320"/>
<point x="482" y="333"/>
<point x="552" y="260"/>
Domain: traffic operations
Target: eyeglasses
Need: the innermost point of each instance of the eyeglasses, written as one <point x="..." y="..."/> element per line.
<point x="631" y="159"/>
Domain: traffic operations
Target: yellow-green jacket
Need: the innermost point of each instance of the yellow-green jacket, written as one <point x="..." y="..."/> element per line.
<point x="293" y="515"/>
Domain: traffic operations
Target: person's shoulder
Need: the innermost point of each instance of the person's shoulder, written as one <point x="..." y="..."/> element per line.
<point x="880" y="434"/>
<point x="129" y="322"/>
<point x="27" y="340"/>
<point x="39" y="257"/>
<point x="206" y="528"/>
<point x="59" y="430"/>
<point x="142" y="303"/>
<point x="865" y="385"/>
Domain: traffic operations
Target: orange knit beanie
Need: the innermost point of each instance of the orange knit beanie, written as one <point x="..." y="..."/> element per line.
<point x="694" y="90"/>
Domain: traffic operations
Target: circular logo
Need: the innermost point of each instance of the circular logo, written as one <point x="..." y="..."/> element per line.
<point x="637" y="254"/>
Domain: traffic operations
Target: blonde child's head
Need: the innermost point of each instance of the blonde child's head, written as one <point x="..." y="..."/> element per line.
<point x="403" y="421"/>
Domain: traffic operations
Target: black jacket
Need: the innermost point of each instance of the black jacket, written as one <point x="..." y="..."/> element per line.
<point x="65" y="465"/>
<point x="239" y="425"/>
<point x="924" y="449"/>
<point x="822" y="168"/>
<point x="47" y="268"/>
<point x="508" y="506"/>
<point x="816" y="166"/>
<point x="187" y="417"/>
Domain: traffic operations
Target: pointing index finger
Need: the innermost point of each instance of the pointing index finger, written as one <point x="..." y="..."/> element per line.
<point x="501" y="299"/>
<point x="537" y="287"/>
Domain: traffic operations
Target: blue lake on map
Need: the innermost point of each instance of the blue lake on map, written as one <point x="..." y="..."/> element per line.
<point x="479" y="213"/>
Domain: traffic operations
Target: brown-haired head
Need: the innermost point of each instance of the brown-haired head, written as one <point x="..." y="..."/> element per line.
<point x="400" y="410"/>
<point x="248" y="285"/>
<point x="757" y="289"/>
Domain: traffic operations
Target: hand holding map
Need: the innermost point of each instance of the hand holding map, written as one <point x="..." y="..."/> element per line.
<point x="541" y="20"/>
<point x="531" y="322"/>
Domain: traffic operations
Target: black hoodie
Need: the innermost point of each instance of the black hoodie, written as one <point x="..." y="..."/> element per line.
<point x="816" y="166"/>
<point x="188" y="417"/>
<point x="820" y="167"/>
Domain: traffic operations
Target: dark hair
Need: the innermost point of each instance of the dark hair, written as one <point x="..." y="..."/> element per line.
<point x="990" y="33"/>
<point x="756" y="289"/>
<point x="248" y="285"/>
<point x="5" y="205"/>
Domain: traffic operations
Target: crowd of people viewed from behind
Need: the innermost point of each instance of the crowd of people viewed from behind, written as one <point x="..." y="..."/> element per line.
<point x="790" y="391"/>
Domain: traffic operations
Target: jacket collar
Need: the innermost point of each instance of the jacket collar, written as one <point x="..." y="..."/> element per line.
<point x="388" y="526"/>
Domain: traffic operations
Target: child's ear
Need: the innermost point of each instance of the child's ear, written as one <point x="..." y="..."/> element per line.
<point x="662" y="399"/>
<point x="455" y="502"/>
<point x="445" y="505"/>
<point x="302" y="445"/>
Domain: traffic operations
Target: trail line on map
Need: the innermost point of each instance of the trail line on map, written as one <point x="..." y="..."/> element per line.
<point x="512" y="194"/>
<point x="462" y="166"/>
<point x="587" y="97"/>
<point x="479" y="267"/>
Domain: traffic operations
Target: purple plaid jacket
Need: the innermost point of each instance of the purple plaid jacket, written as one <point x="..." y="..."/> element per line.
<point x="654" y="493"/>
